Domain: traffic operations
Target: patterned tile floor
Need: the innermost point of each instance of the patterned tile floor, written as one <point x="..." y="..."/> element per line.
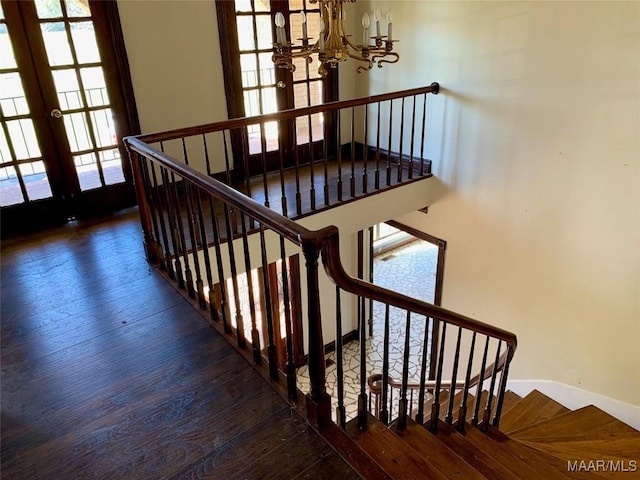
<point x="411" y="270"/>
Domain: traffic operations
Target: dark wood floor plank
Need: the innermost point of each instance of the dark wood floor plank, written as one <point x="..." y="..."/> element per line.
<point x="286" y="459"/>
<point x="328" y="468"/>
<point x="108" y="373"/>
<point x="226" y="459"/>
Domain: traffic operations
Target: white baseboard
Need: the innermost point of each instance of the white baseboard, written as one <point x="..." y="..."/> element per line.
<point x="573" y="398"/>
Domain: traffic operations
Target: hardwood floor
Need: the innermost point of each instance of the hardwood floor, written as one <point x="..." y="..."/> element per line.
<point x="107" y="372"/>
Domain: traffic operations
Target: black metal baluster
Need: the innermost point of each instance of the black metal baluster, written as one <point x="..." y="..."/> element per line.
<point x="166" y="254"/>
<point x="217" y="238"/>
<point x="255" y="336"/>
<point x="192" y="235"/>
<point x="296" y="159"/>
<point x="182" y="238"/>
<point x="353" y="153"/>
<point x="384" y="411"/>
<point x="423" y="371"/>
<point x="401" y="140"/>
<point x="435" y="406"/>
<point x="413" y="134"/>
<point x="325" y="153"/>
<point x="263" y="156"/>
<point x="271" y="346"/>
<point x="362" y="398"/>
<point x="151" y="200"/>
<point x="389" y="144"/>
<point x="502" y="388"/>
<point x="290" y="367"/>
<point x="402" y="413"/>
<point x="338" y="117"/>
<point x="365" y="153"/>
<point x="487" y="412"/>
<point x="207" y="260"/>
<point x="454" y="378"/>
<point x="370" y="320"/>
<point x="462" y="413"/>
<point x="424" y="128"/>
<point x="245" y="163"/>
<point x="476" y="408"/>
<point x="341" y="415"/>
<point x="377" y="175"/>
<point x="234" y="280"/>
<point x="283" y="191"/>
<point x="173" y="229"/>
<point x="194" y="246"/>
<point x="189" y="192"/>
<point x="312" y="190"/>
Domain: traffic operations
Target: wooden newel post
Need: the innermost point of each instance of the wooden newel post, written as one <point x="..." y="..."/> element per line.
<point x="317" y="400"/>
<point x="150" y="244"/>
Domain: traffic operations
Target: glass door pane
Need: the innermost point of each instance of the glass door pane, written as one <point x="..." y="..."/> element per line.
<point x="23" y="176"/>
<point x="84" y="105"/>
<point x="255" y="41"/>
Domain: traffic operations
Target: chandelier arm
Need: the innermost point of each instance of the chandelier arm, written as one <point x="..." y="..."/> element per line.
<point x="300" y="54"/>
<point x="381" y="57"/>
<point x="361" y="59"/>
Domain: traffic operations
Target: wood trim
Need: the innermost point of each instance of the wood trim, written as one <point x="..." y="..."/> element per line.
<point x="121" y="73"/>
<point x="283" y="115"/>
<point x="230" y="56"/>
<point x="418" y="234"/>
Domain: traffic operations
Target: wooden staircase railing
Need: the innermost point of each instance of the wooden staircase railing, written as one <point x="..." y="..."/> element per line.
<point x="305" y="174"/>
<point x="203" y="232"/>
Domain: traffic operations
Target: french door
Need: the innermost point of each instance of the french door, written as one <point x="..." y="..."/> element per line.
<point x="63" y="113"/>
<point x="254" y="86"/>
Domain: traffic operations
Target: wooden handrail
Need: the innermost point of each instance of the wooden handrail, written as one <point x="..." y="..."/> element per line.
<point x="322" y="243"/>
<point x="326" y="240"/>
<point x="283" y="115"/>
<point x="289" y="229"/>
<point x="373" y="380"/>
<point x="336" y="272"/>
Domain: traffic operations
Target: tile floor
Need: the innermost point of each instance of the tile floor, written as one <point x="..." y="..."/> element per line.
<point x="411" y="270"/>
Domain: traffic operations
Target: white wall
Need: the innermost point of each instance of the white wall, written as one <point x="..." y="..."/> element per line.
<point x="536" y="142"/>
<point x="176" y="68"/>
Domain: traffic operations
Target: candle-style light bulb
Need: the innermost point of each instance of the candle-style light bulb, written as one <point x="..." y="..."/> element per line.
<point x="376" y="17"/>
<point x="280" y="35"/>
<point x="303" y="21"/>
<point x="366" y="21"/>
<point x="389" y="20"/>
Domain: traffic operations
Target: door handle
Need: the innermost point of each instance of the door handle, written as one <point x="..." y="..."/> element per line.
<point x="281" y="84"/>
<point x="56" y="113"/>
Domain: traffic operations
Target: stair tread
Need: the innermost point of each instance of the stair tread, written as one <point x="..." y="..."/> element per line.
<point x="512" y="454"/>
<point x="561" y="464"/>
<point x="583" y="424"/>
<point x="437" y="453"/>
<point x="488" y="465"/>
<point x="533" y="408"/>
<point x="392" y="454"/>
<point x="626" y="446"/>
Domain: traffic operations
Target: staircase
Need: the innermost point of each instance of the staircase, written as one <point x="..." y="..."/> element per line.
<point x="538" y="439"/>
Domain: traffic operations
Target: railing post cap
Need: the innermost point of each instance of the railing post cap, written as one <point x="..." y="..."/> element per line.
<point x="436" y="88"/>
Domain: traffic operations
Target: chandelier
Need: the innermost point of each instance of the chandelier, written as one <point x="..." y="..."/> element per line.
<point x="334" y="45"/>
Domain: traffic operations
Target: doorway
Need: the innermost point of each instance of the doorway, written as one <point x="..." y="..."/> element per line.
<point x="254" y="86"/>
<point x="66" y="102"/>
